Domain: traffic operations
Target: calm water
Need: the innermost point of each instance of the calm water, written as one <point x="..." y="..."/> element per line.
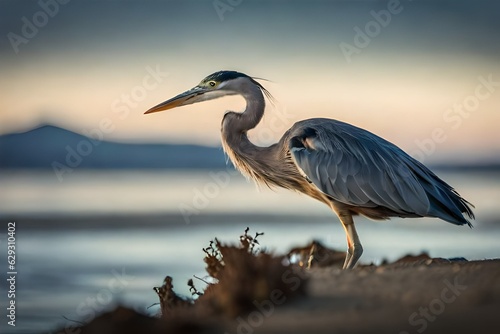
<point x="77" y="268"/>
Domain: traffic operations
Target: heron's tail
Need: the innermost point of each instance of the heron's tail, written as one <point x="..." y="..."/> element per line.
<point x="451" y="207"/>
<point x="445" y="202"/>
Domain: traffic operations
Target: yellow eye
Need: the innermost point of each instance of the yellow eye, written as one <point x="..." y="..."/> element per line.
<point x="212" y="83"/>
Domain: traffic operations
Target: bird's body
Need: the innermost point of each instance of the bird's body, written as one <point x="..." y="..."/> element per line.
<point x="351" y="170"/>
<point x="336" y="172"/>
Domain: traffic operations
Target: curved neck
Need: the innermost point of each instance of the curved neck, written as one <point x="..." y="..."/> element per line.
<point x="266" y="165"/>
<point x="236" y="124"/>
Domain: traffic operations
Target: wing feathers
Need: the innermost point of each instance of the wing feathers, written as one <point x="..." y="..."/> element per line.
<point x="357" y="172"/>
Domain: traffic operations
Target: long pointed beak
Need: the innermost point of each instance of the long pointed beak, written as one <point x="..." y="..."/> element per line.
<point x="188" y="97"/>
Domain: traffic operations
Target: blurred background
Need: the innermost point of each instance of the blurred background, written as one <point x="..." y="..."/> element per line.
<point x="97" y="188"/>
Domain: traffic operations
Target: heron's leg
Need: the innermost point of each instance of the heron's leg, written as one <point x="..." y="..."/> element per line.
<point x="354" y="248"/>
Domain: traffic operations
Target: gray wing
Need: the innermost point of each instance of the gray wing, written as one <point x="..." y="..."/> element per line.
<point x="358" y="168"/>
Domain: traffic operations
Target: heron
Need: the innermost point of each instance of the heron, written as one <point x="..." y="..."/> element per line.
<point x="352" y="170"/>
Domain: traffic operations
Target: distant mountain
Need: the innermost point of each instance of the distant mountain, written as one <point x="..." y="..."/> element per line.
<point x="53" y="147"/>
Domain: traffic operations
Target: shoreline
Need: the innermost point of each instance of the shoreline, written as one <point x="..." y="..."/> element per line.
<point x="96" y="220"/>
<point x="413" y="296"/>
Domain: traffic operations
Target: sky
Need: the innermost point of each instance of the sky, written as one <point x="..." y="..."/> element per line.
<point x="422" y="74"/>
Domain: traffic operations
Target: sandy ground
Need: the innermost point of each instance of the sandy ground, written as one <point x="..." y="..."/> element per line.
<point x="462" y="297"/>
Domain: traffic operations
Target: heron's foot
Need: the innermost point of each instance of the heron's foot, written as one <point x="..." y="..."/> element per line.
<point x="352" y="256"/>
<point x="311" y="255"/>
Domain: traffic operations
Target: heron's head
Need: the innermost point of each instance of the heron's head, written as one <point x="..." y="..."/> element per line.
<point x="215" y="85"/>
